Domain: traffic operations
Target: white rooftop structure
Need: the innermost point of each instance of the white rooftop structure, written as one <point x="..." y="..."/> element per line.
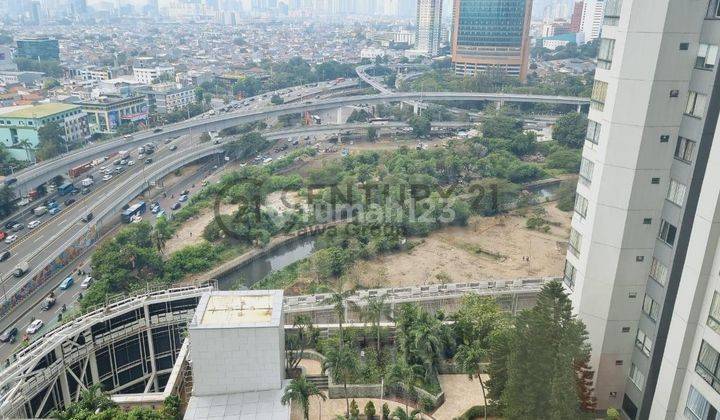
<point x="237" y="351"/>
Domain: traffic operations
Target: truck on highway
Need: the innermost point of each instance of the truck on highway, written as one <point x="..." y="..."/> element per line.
<point x="124" y="154"/>
<point x="39" y="211"/>
<point x="79" y="170"/>
<point x="21" y="269"/>
<point x="66" y="188"/>
<point x="87" y="182"/>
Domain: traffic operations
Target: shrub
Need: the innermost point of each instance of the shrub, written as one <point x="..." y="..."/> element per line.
<point x="369" y="410"/>
<point x="385" y="412"/>
<point x="354" y="410"/>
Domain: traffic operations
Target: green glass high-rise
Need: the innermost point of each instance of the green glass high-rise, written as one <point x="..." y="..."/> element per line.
<point x="491" y="34"/>
<point x="38" y="48"/>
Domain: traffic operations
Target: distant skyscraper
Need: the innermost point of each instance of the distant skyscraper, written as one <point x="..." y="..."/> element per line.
<point x="592" y="19"/>
<point x="428" y="26"/>
<point x="576" y="20"/>
<point x="491" y="34"/>
<point x="78" y="7"/>
<point x="38" y="48"/>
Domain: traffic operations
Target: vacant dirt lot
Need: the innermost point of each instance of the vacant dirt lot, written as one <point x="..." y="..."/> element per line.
<point x="489" y="247"/>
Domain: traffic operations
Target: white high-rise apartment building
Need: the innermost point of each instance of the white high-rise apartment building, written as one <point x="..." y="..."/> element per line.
<point x="428" y="26"/>
<point x="643" y="265"/>
<point x="592" y="18"/>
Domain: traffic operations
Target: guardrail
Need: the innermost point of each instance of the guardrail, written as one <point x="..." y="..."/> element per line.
<point x="294" y="304"/>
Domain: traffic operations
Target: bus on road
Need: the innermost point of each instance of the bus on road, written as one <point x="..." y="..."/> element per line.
<point x="66" y="188"/>
<point x="135" y="209"/>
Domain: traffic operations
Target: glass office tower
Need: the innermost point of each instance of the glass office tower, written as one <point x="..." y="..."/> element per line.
<point x="491" y="34"/>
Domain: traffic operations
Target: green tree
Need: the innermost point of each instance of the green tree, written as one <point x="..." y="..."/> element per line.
<point x="546" y="343"/>
<point x="475" y="323"/>
<point x="91" y="400"/>
<point x="565" y="195"/>
<point x="567" y="160"/>
<point x="354" y="410"/>
<point x="497" y="365"/>
<point x="205" y="137"/>
<point x="277" y="100"/>
<point x="372" y="133"/>
<point x="7" y="201"/>
<point x="420" y="125"/>
<point x="343" y="365"/>
<point x="299" y="391"/>
<point x="400" y="414"/>
<point x="28" y="147"/>
<point x="161" y="233"/>
<point x="51" y="141"/>
<point x="338" y="300"/>
<point x="374" y="311"/>
<point x="299" y="341"/>
<point x="405" y="378"/>
<point x="501" y="126"/>
<point x="369" y="410"/>
<point x="570" y="130"/>
<point x="490" y="196"/>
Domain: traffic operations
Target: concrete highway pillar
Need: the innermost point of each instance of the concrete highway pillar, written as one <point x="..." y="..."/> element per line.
<point x="339" y="116"/>
<point x="416" y="109"/>
<point x="499" y="104"/>
<point x="579" y="108"/>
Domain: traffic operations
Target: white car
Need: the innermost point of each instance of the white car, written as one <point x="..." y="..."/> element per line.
<point x="34" y="326"/>
<point x="107" y="177"/>
<point x="86" y="283"/>
<point x="10" y="239"/>
<point x="130" y="162"/>
<point x="33" y="224"/>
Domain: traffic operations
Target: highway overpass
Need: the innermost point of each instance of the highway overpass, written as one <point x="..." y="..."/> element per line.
<point x="38" y="174"/>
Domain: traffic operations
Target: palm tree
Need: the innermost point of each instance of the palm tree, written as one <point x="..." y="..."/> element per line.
<point x="404" y="376"/>
<point x="374" y="312"/>
<point x="400" y="414"/>
<point x="427" y="342"/>
<point x="469" y="357"/>
<point x="27" y="146"/>
<point x="337" y="300"/>
<point x="300" y="390"/>
<point x="342" y="364"/>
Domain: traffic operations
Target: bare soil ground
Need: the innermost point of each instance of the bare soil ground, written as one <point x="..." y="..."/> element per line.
<point x="190" y="233"/>
<point x="488" y="248"/>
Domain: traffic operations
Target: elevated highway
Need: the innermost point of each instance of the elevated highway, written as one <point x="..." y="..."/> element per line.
<point x="39" y="174"/>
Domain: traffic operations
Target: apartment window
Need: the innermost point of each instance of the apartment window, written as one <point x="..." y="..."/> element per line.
<point x="684" y="46"/>
<point x="575" y="241"/>
<point x="647" y="221"/>
<point x="625" y="329"/>
<point x="714" y="315"/>
<point x="643" y="342"/>
<point x="707" y="365"/>
<point x="655" y="181"/>
<point x="599" y="93"/>
<point x="667" y="232"/>
<point x="676" y="192"/>
<point x="586" y="169"/>
<point x="697" y="407"/>
<point x="707" y="56"/>
<point x="636" y="377"/>
<point x="605" y="53"/>
<point x="684" y="149"/>
<point x="569" y="275"/>
<point x="593" y="132"/>
<point x="651" y="308"/>
<point x="612" y="12"/>
<point x="581" y="205"/>
<point x="695" y="105"/>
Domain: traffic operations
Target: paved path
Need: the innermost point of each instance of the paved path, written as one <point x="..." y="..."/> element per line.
<point x="460" y="394"/>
